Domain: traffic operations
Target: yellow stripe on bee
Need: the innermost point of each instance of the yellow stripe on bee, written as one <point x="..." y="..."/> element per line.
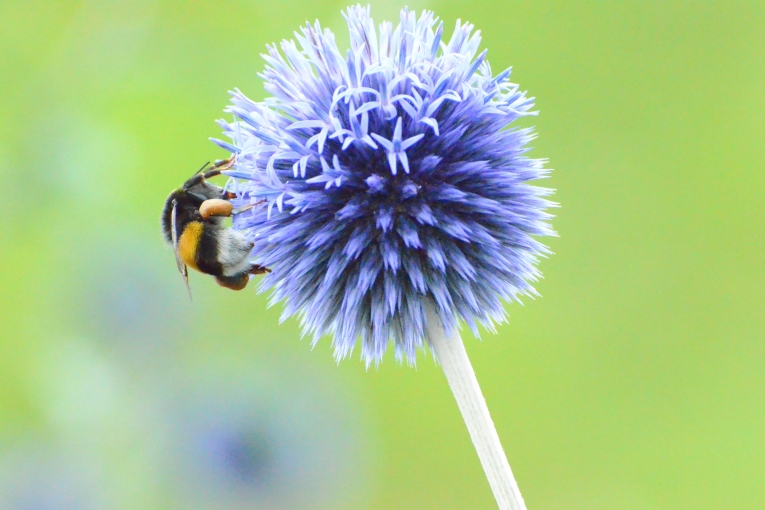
<point x="189" y="243"/>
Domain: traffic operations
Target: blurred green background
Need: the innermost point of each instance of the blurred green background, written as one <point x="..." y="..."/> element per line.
<point x="636" y="382"/>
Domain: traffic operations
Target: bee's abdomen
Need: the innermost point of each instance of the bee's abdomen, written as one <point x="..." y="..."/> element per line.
<point x="198" y="247"/>
<point x="189" y="242"/>
<point x="208" y="251"/>
<point x="211" y="249"/>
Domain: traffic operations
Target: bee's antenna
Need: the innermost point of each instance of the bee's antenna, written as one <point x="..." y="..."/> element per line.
<point x="200" y="175"/>
<point x="195" y="179"/>
<point x="218" y="167"/>
<point x="203" y="167"/>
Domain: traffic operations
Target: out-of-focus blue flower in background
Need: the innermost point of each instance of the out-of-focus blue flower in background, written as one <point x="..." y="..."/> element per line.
<point x="636" y="382"/>
<point x="265" y="439"/>
<point x="273" y="433"/>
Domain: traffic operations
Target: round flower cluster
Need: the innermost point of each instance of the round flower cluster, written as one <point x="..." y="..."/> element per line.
<point x="392" y="182"/>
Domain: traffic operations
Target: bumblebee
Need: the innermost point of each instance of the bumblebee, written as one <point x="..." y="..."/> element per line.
<point x="191" y="222"/>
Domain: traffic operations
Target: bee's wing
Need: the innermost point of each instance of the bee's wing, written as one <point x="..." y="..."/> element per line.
<point x="174" y="233"/>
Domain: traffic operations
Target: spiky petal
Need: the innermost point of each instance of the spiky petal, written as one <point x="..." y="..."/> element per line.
<point x="391" y="180"/>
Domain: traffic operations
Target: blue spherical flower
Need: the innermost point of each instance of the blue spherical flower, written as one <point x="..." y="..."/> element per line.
<point x="391" y="181"/>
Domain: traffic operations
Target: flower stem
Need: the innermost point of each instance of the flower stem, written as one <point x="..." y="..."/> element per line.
<point x="450" y="352"/>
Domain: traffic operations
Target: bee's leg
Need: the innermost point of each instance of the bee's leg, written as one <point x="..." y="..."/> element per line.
<point x="239" y="281"/>
<point x="247" y="207"/>
<point x="258" y="269"/>
<point x="225" y="164"/>
<point x="236" y="282"/>
<point x="216" y="170"/>
<point x="219" y="167"/>
<point x="220" y="207"/>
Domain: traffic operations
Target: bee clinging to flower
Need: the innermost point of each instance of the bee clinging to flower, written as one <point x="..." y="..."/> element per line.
<point x="191" y="222"/>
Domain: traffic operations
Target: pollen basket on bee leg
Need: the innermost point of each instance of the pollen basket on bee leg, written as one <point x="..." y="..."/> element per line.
<point x="237" y="282"/>
<point x="215" y="207"/>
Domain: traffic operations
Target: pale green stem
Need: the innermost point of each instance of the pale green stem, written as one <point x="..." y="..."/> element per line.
<point x="451" y="354"/>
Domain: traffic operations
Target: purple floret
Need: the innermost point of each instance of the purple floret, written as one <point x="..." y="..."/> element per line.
<point x="391" y="181"/>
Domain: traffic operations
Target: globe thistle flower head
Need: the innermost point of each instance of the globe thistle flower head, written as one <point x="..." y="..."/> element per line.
<point x="393" y="182"/>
